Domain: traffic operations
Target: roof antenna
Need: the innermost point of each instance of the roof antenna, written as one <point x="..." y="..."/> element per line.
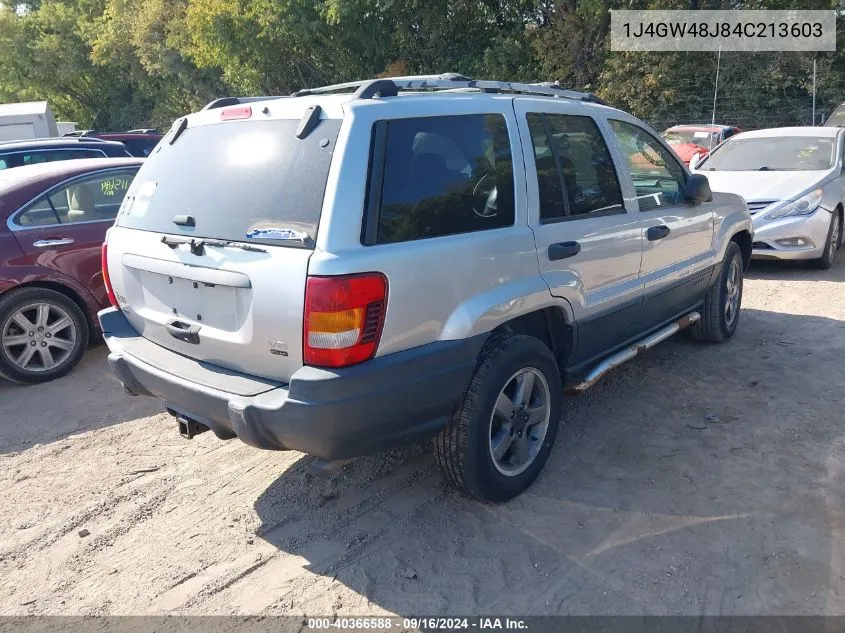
<point x="91" y="127"/>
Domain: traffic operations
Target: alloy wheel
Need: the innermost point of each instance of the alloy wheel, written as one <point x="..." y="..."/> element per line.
<point x="732" y="287"/>
<point x="38" y="337"/>
<point x="520" y="421"/>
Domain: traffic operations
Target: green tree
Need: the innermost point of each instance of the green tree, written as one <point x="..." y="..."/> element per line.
<point x="45" y="53"/>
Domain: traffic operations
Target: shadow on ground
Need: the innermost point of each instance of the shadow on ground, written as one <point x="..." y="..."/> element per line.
<point x="88" y="398"/>
<point x="695" y="480"/>
<point x="796" y="270"/>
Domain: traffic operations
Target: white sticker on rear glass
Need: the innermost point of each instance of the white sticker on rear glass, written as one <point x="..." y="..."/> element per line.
<point x="276" y="233"/>
<point x="139" y="199"/>
<point x="701" y="134"/>
<point x="146" y="189"/>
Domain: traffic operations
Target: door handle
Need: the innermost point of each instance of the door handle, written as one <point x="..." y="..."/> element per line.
<point x="655" y="233"/>
<point x="62" y="241"/>
<point x="563" y="250"/>
<point x="183" y="331"/>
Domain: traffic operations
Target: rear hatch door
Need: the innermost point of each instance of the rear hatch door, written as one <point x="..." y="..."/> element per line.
<point x="210" y="250"/>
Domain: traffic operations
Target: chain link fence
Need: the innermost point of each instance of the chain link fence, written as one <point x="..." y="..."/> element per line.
<point x="751" y="93"/>
<point x="786" y="115"/>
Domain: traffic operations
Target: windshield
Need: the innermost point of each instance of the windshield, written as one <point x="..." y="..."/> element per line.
<point x="784" y="153"/>
<point x="249" y="181"/>
<point x="694" y="137"/>
<point x="837" y="119"/>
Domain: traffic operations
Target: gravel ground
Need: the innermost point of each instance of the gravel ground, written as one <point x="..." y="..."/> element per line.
<point x="695" y="480"/>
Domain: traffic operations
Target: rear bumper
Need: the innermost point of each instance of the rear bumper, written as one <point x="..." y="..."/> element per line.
<point x="334" y="414"/>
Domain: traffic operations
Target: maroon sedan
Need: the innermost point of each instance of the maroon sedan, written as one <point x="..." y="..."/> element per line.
<point x="53" y="219"/>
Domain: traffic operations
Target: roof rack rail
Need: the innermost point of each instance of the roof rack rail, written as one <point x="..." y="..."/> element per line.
<point x="369" y="88"/>
<point x="45" y="140"/>
<point x="223" y="102"/>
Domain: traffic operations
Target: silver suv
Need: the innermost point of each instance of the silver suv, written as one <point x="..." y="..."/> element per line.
<point x="340" y="273"/>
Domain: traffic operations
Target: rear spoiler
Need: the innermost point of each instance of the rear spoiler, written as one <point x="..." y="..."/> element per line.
<point x="223" y="102"/>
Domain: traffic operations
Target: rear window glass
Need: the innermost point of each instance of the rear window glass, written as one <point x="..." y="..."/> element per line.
<point x="250" y="181"/>
<point x="140" y="147"/>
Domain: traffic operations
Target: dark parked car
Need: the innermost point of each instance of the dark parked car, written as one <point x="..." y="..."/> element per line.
<point x="46" y="150"/>
<point x="53" y="220"/>
<point x="138" y="143"/>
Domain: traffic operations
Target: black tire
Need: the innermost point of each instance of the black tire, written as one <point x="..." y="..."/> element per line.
<point x="714" y="325"/>
<point x="13" y="301"/>
<point x="826" y="261"/>
<point x="463" y="449"/>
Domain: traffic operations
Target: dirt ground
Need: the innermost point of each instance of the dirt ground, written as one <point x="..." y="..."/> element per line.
<point x="695" y="480"/>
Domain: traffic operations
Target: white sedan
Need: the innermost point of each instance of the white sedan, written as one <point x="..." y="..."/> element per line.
<point x="793" y="181"/>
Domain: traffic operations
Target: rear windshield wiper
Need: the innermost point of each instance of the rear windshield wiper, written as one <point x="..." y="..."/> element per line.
<point x="240" y="245"/>
<point x="198" y="246"/>
<point x="173" y="242"/>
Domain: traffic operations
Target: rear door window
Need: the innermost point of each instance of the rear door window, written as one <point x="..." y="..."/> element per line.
<point x="93" y="198"/>
<point x="444" y="176"/>
<point x="572" y="158"/>
<point x="252" y="181"/>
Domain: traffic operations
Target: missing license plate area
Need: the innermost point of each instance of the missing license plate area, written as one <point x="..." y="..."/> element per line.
<point x="212" y="305"/>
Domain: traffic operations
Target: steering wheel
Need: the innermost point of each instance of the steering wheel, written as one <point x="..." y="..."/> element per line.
<point x="485" y="200"/>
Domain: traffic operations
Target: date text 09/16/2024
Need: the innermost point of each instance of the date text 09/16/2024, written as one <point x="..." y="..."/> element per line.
<point x="414" y="623"/>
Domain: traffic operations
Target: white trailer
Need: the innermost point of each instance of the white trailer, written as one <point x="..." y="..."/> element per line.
<point x="66" y="127"/>
<point x="32" y="119"/>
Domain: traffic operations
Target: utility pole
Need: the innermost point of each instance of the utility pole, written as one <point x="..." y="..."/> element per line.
<point x="814" y="90"/>
<point x="715" y="93"/>
<point x="716" y="86"/>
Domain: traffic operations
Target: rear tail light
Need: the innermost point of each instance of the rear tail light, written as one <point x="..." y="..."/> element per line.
<point x="344" y="316"/>
<point x="104" y="260"/>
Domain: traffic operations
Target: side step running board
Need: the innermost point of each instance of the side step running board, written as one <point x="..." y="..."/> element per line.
<point x="630" y="352"/>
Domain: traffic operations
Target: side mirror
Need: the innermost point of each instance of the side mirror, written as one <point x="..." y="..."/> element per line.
<point x="693" y="162"/>
<point x="698" y="189"/>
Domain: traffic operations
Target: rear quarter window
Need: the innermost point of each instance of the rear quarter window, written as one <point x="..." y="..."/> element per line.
<point x="444" y="176"/>
<point x="91" y="198"/>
